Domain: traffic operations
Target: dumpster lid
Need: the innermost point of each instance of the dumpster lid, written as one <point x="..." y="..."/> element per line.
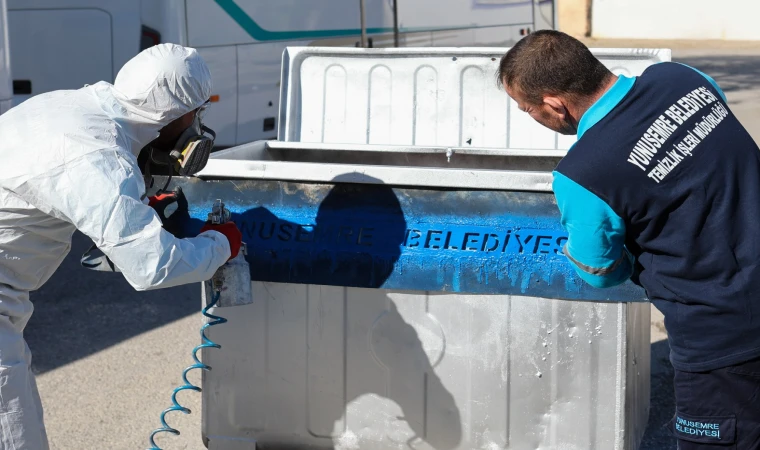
<point x="417" y="96"/>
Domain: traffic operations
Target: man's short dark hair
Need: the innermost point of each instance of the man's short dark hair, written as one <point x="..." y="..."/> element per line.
<point x="550" y="62"/>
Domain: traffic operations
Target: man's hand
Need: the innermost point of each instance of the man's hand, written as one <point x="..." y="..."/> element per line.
<point x="231" y="232"/>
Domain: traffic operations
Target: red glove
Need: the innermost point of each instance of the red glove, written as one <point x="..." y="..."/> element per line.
<point x="231" y="232"/>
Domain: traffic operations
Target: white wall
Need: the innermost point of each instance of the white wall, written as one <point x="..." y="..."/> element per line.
<point x="676" y="19"/>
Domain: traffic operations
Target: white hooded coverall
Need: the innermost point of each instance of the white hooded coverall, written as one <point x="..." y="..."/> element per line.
<point x="68" y="160"/>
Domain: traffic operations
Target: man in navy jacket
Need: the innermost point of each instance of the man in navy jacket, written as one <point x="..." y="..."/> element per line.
<point x="661" y="187"/>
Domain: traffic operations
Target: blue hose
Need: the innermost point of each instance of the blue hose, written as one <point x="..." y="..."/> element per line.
<point x="206" y="343"/>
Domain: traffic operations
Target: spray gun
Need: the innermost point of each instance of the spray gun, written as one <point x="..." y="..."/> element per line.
<point x="229" y="286"/>
<point x="233" y="280"/>
<point x="218" y="215"/>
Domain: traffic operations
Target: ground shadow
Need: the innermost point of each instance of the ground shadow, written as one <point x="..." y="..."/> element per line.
<point x="79" y="312"/>
<point x="731" y="72"/>
<point x="662" y="400"/>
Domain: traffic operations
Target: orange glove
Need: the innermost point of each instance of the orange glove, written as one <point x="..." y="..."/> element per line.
<point x="162" y="199"/>
<point x="231" y="232"/>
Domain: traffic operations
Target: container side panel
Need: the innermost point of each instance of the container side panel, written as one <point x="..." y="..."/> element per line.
<point x="340" y="368"/>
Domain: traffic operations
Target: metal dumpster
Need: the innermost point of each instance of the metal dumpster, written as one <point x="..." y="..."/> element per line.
<point x="409" y="288"/>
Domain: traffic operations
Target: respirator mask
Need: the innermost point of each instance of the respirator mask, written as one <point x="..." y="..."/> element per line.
<point x="190" y="153"/>
<point x="192" y="150"/>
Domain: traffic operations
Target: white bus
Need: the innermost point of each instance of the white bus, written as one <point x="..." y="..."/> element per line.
<point x="64" y="44"/>
<point x="6" y="88"/>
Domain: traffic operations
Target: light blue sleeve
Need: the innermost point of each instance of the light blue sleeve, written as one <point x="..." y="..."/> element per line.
<point x="710" y="79"/>
<point x="596" y="235"/>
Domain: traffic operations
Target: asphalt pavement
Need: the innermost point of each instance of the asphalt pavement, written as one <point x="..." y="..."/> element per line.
<point x="107" y="357"/>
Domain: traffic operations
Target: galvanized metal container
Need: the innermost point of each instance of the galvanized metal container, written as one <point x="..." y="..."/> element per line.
<point x="409" y="287"/>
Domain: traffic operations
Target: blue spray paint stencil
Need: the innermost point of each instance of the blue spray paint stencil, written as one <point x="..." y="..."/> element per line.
<point x="375" y="236"/>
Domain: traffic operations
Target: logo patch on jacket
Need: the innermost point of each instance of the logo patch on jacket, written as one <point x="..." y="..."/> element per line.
<point x="705" y="429"/>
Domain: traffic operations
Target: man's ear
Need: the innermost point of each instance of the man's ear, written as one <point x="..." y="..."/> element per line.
<point x="556" y="104"/>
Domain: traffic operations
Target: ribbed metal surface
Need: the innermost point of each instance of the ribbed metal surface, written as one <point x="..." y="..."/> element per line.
<point x="426" y="97"/>
<point x="346" y="368"/>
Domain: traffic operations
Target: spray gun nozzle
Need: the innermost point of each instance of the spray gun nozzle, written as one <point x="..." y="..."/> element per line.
<point x="219" y="213"/>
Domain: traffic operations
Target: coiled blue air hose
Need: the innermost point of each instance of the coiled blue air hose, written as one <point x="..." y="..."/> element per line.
<point x="205" y="343"/>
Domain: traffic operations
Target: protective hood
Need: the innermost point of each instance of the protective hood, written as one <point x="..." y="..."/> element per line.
<point x="156" y="87"/>
<point x="69" y="161"/>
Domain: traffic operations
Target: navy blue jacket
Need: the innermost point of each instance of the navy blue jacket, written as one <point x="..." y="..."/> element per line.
<point x="663" y="186"/>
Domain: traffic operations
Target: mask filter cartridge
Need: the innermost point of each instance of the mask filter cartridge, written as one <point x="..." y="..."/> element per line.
<point x="193" y="149"/>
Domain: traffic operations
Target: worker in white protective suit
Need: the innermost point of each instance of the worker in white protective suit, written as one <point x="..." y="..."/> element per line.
<point x="68" y="162"/>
